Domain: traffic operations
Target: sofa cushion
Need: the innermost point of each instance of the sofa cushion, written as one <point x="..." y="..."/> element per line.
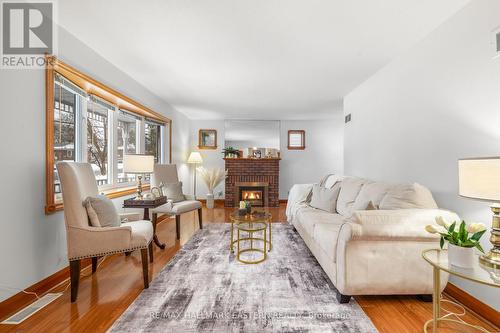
<point x="406" y="196"/>
<point x="349" y="190"/>
<point x="372" y="192"/>
<point x="325" y="198"/>
<point x="308" y="217"/>
<point x="326" y="236"/>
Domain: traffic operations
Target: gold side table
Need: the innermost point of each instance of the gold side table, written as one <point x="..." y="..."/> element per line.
<point x="251" y="228"/>
<point x="479" y="274"/>
<point x="256" y="216"/>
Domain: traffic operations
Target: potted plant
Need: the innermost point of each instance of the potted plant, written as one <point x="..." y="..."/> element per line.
<point x="212" y="178"/>
<point x="231" y="152"/>
<point x="461" y="240"/>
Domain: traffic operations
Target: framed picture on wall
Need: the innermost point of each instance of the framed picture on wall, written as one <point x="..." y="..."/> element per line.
<point x="207" y="139"/>
<point x="297" y="139"/>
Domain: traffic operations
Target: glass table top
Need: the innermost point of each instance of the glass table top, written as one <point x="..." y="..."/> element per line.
<point x="478" y="273"/>
<point x="256" y="216"/>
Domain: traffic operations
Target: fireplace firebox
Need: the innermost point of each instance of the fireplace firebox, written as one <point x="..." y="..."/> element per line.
<point x="255" y="193"/>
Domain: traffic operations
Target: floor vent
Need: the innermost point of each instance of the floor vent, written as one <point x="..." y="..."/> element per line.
<point x="31" y="309"/>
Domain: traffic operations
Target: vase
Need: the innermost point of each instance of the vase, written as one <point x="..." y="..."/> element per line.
<point x="461" y="256"/>
<point x="210" y="200"/>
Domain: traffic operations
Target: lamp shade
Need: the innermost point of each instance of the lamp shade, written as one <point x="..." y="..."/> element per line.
<point x="195" y="158"/>
<point x="138" y="163"/>
<point x="479" y="178"/>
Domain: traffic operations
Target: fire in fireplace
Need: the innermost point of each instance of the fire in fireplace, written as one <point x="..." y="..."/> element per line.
<point x="255" y="193"/>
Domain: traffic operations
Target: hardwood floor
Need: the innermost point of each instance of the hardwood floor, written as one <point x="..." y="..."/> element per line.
<point x="104" y="296"/>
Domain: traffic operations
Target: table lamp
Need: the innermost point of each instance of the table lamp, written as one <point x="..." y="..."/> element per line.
<point x="479" y="178"/>
<point x="195" y="158"/>
<point x="138" y="164"/>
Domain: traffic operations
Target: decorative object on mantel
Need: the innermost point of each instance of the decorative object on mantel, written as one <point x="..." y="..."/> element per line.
<point x="207" y="139"/>
<point x="296" y="140"/>
<point x="461" y="240"/>
<point x="195" y="158"/>
<point x="231" y="152"/>
<point x="138" y="164"/>
<point x="212" y="178"/>
<point x="479" y="178"/>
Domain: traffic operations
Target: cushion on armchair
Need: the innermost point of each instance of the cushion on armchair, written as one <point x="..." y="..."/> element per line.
<point x="101" y="212"/>
<point x="174" y="191"/>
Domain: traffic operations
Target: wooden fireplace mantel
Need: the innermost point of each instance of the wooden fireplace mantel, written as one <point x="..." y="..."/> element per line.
<point x="253" y="158"/>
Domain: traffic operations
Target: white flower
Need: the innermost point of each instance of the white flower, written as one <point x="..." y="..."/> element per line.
<point x="431" y="229"/>
<point x="475" y="227"/>
<point x="440" y="221"/>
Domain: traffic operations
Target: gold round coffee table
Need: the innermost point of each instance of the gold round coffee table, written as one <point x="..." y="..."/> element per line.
<point x="256" y="216"/>
<point x="251" y="228"/>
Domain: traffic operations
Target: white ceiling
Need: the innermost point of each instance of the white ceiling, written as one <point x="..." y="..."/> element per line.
<point x="254" y="59"/>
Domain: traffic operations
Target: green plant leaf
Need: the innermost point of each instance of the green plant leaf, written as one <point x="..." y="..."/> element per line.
<point x="478" y="235"/>
<point x="441" y="242"/>
<point x="479" y="247"/>
<point x="452" y="227"/>
<point x="462" y="233"/>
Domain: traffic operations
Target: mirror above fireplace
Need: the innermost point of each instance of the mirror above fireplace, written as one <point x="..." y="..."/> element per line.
<point x="253" y="138"/>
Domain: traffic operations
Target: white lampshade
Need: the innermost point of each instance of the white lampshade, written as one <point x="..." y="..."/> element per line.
<point x="195" y="158"/>
<point x="479" y="178"/>
<point x="138" y="163"/>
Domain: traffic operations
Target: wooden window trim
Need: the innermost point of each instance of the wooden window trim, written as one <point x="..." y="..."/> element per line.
<point x="199" y="139"/>
<point x="303" y="136"/>
<point x="96" y="88"/>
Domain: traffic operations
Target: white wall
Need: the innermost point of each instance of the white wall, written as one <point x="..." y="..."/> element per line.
<point x="323" y="153"/>
<point x="433" y="105"/>
<point x="32" y="244"/>
<point x="211" y="158"/>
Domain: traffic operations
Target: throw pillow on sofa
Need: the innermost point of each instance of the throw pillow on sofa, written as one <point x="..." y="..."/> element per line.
<point x="101" y="211"/>
<point x="174" y="191"/>
<point x="349" y="190"/>
<point x="325" y="198"/>
<point x="406" y="196"/>
<point x="371" y="192"/>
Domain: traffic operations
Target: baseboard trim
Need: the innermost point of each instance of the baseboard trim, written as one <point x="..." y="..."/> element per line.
<point x="479" y="308"/>
<point x="12" y="304"/>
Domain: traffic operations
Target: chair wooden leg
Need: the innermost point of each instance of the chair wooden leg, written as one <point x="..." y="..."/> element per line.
<point x="74" y="271"/>
<point x="200" y="218"/>
<point x="150" y="247"/>
<point x="94" y="264"/>
<point x="145" y="271"/>
<point x="178" y="226"/>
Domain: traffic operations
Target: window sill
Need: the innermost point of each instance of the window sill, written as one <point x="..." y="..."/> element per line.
<point x="112" y="194"/>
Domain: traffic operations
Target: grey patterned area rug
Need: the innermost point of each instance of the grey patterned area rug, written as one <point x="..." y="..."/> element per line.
<point x="205" y="289"/>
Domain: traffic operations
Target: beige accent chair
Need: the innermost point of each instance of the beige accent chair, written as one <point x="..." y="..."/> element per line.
<point x="84" y="241"/>
<point x="167" y="173"/>
<point x="371" y="252"/>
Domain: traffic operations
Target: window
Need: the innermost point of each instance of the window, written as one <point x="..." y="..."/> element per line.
<point x="296" y="139"/>
<point x="97" y="125"/>
<point x="152" y="142"/>
<point x="98" y="129"/>
<point x="127" y="142"/>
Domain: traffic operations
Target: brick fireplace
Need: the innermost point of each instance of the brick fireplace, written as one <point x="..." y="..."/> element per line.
<point x="253" y="179"/>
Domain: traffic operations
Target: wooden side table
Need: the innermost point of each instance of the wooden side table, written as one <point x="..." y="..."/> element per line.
<point x="478" y="274"/>
<point x="146" y="205"/>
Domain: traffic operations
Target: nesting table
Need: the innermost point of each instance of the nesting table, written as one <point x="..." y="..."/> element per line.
<point x="478" y="274"/>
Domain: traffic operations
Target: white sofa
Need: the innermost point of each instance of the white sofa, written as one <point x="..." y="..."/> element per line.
<point x="370" y="252"/>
